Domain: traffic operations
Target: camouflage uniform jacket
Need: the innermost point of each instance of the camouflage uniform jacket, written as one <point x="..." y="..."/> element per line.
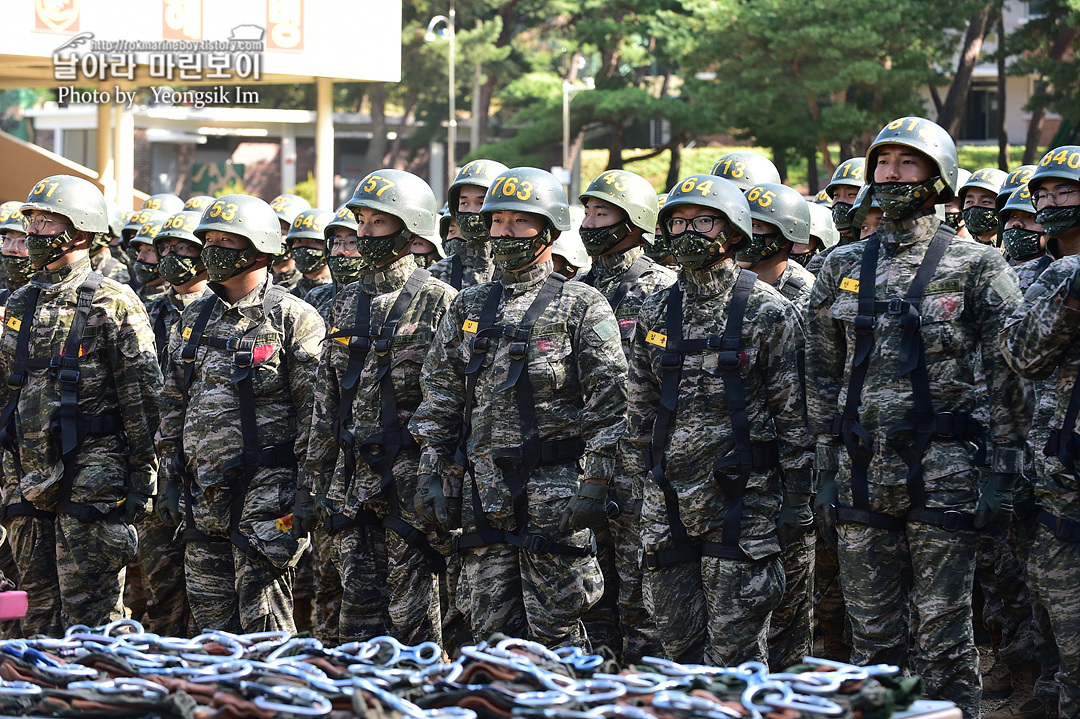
<point x="208" y="424"/>
<point x="577" y="370"/>
<point x="787" y="285"/>
<point x="164" y="313"/>
<point x="964" y="307"/>
<point x="1042" y="341"/>
<point x="149" y="293"/>
<point x="304" y="286"/>
<point x="606" y="275"/>
<point x="415" y="331"/>
<point x="477" y="265"/>
<point x="701" y="431"/>
<point x="287" y="279"/>
<point x="110" y="267"/>
<point x="1028" y="272"/>
<point x="322" y="299"/>
<point x="118" y="374"/>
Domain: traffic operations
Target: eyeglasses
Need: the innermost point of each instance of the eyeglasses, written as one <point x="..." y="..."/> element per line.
<point x="180" y="247"/>
<point x="19" y="243"/>
<point x="346" y="244"/>
<point x="37" y="223"/>
<point x="1060" y="195"/>
<point x="701" y="223"/>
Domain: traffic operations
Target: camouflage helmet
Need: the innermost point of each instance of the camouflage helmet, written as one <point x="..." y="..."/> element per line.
<point x="310" y="225"/>
<point x="986" y="178"/>
<point x="528" y="189"/>
<point x="10" y="218"/>
<point x="117" y="219"/>
<point x="479" y="173"/>
<point x="166" y="202"/>
<point x="287" y="207"/>
<point x="631" y="193"/>
<point x="1019" y="200"/>
<point x="746" y="169"/>
<point x="444" y="221"/>
<point x="821" y="224"/>
<point x="79" y="200"/>
<point x="344" y="217"/>
<point x="1016" y="179"/>
<point x="197" y="203"/>
<point x="569" y="245"/>
<point x="850" y="172"/>
<point x="1061" y="163"/>
<point x="928" y="138"/>
<point x="151" y="226"/>
<point x="782" y="207"/>
<point x="402" y="195"/>
<point x="181" y="226"/>
<point x="715" y="193"/>
<point x="246" y="216"/>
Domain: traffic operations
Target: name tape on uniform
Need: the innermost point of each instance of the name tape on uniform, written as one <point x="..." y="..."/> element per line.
<point x="655" y="338"/>
<point x="849" y="284"/>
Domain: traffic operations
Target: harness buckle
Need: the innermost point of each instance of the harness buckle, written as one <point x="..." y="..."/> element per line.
<point x="945" y="425"/>
<point x="864" y="324"/>
<point x="16" y="380"/>
<point x="232" y="344"/>
<point x="536" y="543"/>
<point x="896" y="306"/>
<point x="243" y="359"/>
<point x="187" y="353"/>
<point x="68" y="376"/>
<point x="518" y="350"/>
<point x="651" y="562"/>
<point x="950" y="520"/>
<point x="731" y="361"/>
<point x="382" y="346"/>
<point x="714" y="342"/>
<point x="480" y="345"/>
<point x="670" y="361"/>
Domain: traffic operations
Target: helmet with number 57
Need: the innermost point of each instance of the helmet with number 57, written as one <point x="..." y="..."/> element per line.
<point x="533" y="191"/>
<point x="693" y="248"/>
<point x="404" y="196"/>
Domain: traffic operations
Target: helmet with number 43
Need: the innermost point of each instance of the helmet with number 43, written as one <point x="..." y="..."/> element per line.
<point x="692" y="248"/>
<point x="632" y="194"/>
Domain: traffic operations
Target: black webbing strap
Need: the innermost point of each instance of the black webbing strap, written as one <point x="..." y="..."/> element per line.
<point x="793" y="287"/>
<point x="194" y="340"/>
<point x="629" y="278"/>
<point x="479" y="347"/>
<point x="161" y="328"/>
<point x="16" y="380"/>
<point x="1066" y="530"/>
<point x="1064" y="442"/>
<point x="380" y="451"/>
<point x="457" y="271"/>
<point x="359" y="336"/>
<point x="254" y="456"/>
<point x="517" y="463"/>
<point x="731" y="472"/>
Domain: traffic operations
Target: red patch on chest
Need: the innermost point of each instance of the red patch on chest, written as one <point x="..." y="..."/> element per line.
<point x="543" y="345"/>
<point x="262" y="353"/>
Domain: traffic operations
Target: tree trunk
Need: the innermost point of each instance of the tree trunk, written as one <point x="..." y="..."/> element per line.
<point x="1002" y="132"/>
<point x="615" y="147"/>
<point x="675" y="168"/>
<point x="393" y="157"/>
<point x="780" y="160"/>
<point x="812" y="172"/>
<point x="952" y="114"/>
<point x="1038" y="113"/>
<point x="376" y="152"/>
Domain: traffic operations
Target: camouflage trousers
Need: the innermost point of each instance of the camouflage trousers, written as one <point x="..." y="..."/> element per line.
<point x="161" y="557"/>
<point x="1022" y="535"/>
<point x="456" y="631"/>
<point x="791" y="627"/>
<point x="935" y="604"/>
<point x="328" y="589"/>
<point x="830" y="615"/>
<point x="1055" y="573"/>
<point x="304" y="593"/>
<point x="362" y="564"/>
<point x="231" y="592"/>
<point x="1007" y="602"/>
<point x="713" y="610"/>
<point x="72" y="572"/>
<point x="619" y="619"/>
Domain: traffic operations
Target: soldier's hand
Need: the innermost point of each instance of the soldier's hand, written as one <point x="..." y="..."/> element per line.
<point x="995" y="499"/>
<point x="137" y="506"/>
<point x="303" y="517"/>
<point x="827" y="497"/>
<point x="796" y="518"/>
<point x="587" y="509"/>
<point x="324" y="508"/>
<point x="429" y="503"/>
<point x="167" y="504"/>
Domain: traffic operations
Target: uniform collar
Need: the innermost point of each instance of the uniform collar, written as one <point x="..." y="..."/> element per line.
<point x="709" y="282"/>
<point x="523" y="279"/>
<point x="388" y="279"/>
<point x="76" y="272"/>
<point x="617" y="263"/>
<point x="921" y="226"/>
<point x="476" y="250"/>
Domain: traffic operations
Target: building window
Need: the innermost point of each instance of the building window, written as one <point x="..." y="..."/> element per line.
<point x="980" y="117"/>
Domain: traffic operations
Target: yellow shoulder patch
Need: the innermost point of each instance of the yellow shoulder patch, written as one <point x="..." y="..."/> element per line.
<point x="14" y="323"/>
<point x="849" y="285"/>
<point x="470" y="326"/>
<point x="655" y="338"/>
<point x="187" y="333"/>
<point x="342" y="340"/>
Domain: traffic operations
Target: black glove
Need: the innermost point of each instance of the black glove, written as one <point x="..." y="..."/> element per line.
<point x="137" y="506"/>
<point x="827" y="497"/>
<point x="995" y="499"/>
<point x="587" y="509"/>
<point x="324" y="508"/>
<point x="796" y="518"/>
<point x="167" y="504"/>
<point x="429" y="502"/>
<point x="303" y="514"/>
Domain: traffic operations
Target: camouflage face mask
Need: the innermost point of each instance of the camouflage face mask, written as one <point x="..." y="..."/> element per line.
<point x="1022" y="244"/>
<point x="696" y="251"/>
<point x="380" y="250"/>
<point x="953" y="219"/>
<point x="309" y="259"/>
<point x="224" y="262"/>
<point x="802" y="259"/>
<point x="900" y="200"/>
<point x="1056" y="221"/>
<point x="598" y="240"/>
<point x="841" y="215"/>
<point x="45" y="249"/>
<point x="177" y="270"/>
<point x="18" y="268"/>
<point x="761" y="246"/>
<point x="515" y="253"/>
<point x="472" y="226"/>
<point x="346" y="270"/>
<point x="980" y="220"/>
<point x="145" y="272"/>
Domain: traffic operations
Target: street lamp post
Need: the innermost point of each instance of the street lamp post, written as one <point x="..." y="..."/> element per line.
<point x="451" y="127"/>
<point x="568" y="91"/>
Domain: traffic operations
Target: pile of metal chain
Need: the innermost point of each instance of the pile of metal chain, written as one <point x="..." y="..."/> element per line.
<point x="121" y="670"/>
